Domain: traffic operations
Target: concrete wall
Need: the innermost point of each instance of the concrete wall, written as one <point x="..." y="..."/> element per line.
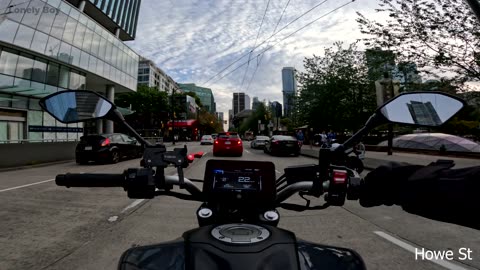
<point x="20" y="154"/>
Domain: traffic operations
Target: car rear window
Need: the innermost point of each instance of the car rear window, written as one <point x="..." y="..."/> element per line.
<point x="228" y="136"/>
<point x="92" y="138"/>
<point x="206" y="136"/>
<point x="284" y="138"/>
<point x="263" y="138"/>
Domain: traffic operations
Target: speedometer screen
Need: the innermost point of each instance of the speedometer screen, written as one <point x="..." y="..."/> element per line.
<point x="243" y="179"/>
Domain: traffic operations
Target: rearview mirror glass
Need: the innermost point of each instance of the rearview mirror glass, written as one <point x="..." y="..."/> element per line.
<point x="76" y="106"/>
<point x="423" y="109"/>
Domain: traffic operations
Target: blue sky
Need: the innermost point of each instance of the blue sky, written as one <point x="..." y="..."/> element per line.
<point x="192" y="40"/>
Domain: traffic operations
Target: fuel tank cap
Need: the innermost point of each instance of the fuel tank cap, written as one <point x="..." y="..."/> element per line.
<point x="239" y="233"/>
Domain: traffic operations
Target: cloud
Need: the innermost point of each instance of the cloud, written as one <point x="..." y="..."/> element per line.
<point x="193" y="40"/>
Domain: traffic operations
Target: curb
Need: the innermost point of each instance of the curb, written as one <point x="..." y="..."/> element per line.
<point x="35" y="165"/>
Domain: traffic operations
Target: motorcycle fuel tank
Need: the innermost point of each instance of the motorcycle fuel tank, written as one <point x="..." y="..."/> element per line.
<point x="199" y="249"/>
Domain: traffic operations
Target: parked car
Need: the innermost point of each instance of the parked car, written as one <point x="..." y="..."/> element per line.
<point x="206" y="139"/>
<point x="107" y="148"/>
<point x="282" y="144"/>
<point x="259" y="142"/>
<point x="214" y="135"/>
<point x="228" y="143"/>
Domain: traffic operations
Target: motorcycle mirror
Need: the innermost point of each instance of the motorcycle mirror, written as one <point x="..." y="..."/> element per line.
<point x="421" y="108"/>
<point x="198" y="154"/>
<point x="74" y="106"/>
<point x="190" y="158"/>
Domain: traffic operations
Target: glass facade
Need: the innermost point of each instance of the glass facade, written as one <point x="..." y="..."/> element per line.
<point x="123" y="12"/>
<point x="48" y="46"/>
<point x="60" y="31"/>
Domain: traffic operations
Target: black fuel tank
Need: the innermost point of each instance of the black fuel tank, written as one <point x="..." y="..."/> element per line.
<point x="198" y="249"/>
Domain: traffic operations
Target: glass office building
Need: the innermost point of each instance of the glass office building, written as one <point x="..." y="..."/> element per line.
<point x="50" y="46"/>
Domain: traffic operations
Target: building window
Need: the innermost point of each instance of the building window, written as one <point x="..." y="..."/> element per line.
<point x="24" y="36"/>
<point x="8" y="62"/>
<point x="52" y="74"/>
<point x="39" y="42"/>
<point x="24" y="67"/>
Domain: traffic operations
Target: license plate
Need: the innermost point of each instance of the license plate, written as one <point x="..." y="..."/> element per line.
<point x="88" y="148"/>
<point x="290" y="144"/>
<point x="227" y="142"/>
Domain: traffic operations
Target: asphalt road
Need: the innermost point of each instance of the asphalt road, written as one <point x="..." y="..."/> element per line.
<point x="48" y="227"/>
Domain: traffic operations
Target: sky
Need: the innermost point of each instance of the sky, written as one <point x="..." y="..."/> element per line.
<point x="193" y="40"/>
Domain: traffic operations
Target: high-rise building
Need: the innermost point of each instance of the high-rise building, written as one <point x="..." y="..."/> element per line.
<point x="220" y="117"/>
<point x="65" y="45"/>
<point x="289" y="91"/>
<point x="205" y="95"/>
<point x="230" y="119"/>
<point x="423" y="113"/>
<point x="256" y="103"/>
<point x="241" y="101"/>
<point x="152" y="76"/>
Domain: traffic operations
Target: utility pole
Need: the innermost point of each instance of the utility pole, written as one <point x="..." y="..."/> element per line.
<point x="173" y="116"/>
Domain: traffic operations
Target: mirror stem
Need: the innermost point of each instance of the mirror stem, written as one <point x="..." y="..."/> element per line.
<point x="117" y="116"/>
<point x="375" y="120"/>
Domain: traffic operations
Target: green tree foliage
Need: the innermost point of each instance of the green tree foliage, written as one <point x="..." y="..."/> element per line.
<point x="440" y="36"/>
<point x="209" y="123"/>
<point x="151" y="107"/>
<point x="335" y="92"/>
<point x="251" y="124"/>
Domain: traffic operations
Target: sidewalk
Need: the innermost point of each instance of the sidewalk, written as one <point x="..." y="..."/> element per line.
<point x="374" y="159"/>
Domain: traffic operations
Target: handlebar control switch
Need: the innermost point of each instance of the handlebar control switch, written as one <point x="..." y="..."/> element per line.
<point x="140" y="183"/>
<point x="205" y="213"/>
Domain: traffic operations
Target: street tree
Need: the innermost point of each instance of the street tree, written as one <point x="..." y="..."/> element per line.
<point x="151" y="107"/>
<point x="441" y="36"/>
<point x="335" y="92"/>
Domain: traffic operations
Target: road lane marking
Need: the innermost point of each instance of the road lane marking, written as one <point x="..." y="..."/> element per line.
<point x="133" y="204"/>
<point x="278" y="171"/>
<point x="412" y="249"/>
<point x="112" y="218"/>
<point x="27" y="185"/>
<point x="247" y="151"/>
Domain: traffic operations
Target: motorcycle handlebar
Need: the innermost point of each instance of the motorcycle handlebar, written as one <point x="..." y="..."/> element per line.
<point x="189" y="186"/>
<point x="290" y="190"/>
<point x="90" y="180"/>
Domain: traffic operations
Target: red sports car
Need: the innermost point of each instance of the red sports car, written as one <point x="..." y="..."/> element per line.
<point x="228" y="143"/>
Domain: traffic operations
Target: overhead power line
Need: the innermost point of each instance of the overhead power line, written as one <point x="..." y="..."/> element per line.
<point x="259" y="60"/>
<point x="263" y="42"/>
<point x="254" y="44"/>
<point x="293" y="33"/>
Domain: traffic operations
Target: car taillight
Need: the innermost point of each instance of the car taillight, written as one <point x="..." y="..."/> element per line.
<point x="216" y="141"/>
<point x="105" y="142"/>
<point x="276" y="142"/>
<point x="239" y="142"/>
<point x="339" y="176"/>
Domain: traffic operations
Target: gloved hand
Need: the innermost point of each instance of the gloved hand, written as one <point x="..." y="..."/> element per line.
<point x="383" y="185"/>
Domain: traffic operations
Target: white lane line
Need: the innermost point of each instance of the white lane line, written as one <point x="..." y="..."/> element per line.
<point x="133" y="204"/>
<point x="32" y="184"/>
<point x="278" y="171"/>
<point x="247" y="151"/>
<point x="413" y="249"/>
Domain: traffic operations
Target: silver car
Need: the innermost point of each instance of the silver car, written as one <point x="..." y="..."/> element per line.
<point x="259" y="142"/>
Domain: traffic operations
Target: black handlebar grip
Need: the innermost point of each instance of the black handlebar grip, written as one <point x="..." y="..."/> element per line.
<point x="90" y="180"/>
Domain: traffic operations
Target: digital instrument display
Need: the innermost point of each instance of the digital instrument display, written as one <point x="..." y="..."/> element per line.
<point x="240" y="181"/>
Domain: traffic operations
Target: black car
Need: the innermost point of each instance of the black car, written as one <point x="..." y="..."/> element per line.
<point x="107" y="148"/>
<point x="281" y="144"/>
